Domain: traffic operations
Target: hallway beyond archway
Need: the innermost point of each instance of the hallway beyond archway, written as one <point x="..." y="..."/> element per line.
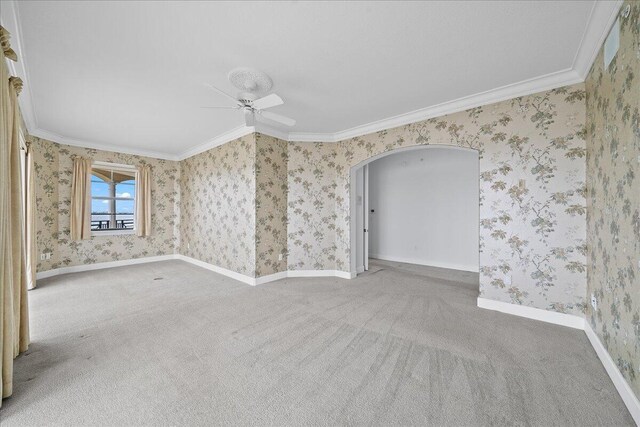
<point x="417" y="205"/>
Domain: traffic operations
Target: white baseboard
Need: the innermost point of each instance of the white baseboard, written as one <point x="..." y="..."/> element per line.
<point x="627" y="395"/>
<point x="450" y="266"/>
<point x="253" y="281"/>
<point x="345" y="274"/>
<point x="360" y="269"/>
<point x="220" y="270"/>
<point x="271" y="278"/>
<point x="576" y="322"/>
<point x="101" y="265"/>
<point x="48" y="273"/>
<point x="554" y="317"/>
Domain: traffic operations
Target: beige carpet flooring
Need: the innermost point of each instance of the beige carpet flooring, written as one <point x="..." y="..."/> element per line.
<point x="169" y="343"/>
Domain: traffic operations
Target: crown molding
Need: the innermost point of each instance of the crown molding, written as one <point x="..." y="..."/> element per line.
<point x="602" y="16"/>
<point x="523" y="88"/>
<point x="236" y="133"/>
<point x="271" y="131"/>
<point x="60" y="139"/>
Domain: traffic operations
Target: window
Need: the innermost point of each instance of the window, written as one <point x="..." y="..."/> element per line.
<point x="113" y="189"/>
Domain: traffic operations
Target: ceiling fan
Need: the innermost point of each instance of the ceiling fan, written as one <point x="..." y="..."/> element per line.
<point x="251" y="83"/>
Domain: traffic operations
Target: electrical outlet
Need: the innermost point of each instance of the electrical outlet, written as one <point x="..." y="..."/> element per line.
<point x="594" y="302"/>
<point x="189" y="246"/>
<point x="43" y="257"/>
<point x="48" y="255"/>
<point x="507" y="279"/>
<point x="279" y="257"/>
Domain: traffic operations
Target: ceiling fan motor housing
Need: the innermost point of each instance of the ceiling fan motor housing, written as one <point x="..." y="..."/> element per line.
<point x="247" y="98"/>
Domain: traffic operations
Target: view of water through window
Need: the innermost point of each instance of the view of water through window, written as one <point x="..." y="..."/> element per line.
<point x="112" y="199"/>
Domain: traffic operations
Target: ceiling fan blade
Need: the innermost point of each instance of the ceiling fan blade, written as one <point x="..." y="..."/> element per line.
<point x="221" y="92"/>
<point x="277" y="118"/>
<point x="224" y="108"/>
<point x="267" y="102"/>
<point x="249" y="118"/>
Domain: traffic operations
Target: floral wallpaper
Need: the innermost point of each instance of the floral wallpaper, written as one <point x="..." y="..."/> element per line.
<point x="613" y="203"/>
<point x="46" y="169"/>
<point x="218" y="206"/>
<point x="311" y="206"/>
<point x="54" y="165"/>
<point x="226" y="206"/>
<point x="532" y="195"/>
<point x="271" y="205"/>
<point x="232" y="200"/>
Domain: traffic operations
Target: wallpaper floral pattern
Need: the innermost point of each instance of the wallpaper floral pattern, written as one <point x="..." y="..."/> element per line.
<point x="613" y="204"/>
<point x="218" y="206"/>
<point x="271" y="205"/>
<point x="227" y="206"/>
<point x="46" y="168"/>
<point x="532" y="194"/>
<point x="311" y="206"/>
<point x="53" y="164"/>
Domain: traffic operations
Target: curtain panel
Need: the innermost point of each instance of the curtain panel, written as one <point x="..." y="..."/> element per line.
<point x="143" y="201"/>
<point x="80" y="212"/>
<point x="14" y="316"/>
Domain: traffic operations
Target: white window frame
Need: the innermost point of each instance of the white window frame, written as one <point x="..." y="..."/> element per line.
<point x="123" y="168"/>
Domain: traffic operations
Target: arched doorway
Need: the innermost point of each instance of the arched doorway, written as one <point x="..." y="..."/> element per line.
<point x="419" y="209"/>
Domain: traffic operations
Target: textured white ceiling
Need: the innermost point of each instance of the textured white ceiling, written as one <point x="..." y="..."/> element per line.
<point x="131" y="74"/>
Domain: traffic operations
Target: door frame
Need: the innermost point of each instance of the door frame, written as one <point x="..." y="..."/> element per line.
<point x="365" y="214"/>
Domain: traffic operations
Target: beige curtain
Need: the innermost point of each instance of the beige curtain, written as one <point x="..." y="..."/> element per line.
<point x="143" y="201"/>
<point x="14" y="315"/>
<point x="81" y="199"/>
<point x="30" y="217"/>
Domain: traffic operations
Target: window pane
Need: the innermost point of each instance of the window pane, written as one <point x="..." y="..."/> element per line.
<point x="124" y="213"/>
<point x="99" y="206"/>
<point x="99" y="187"/>
<point x="100" y="214"/>
<point x="126" y="189"/>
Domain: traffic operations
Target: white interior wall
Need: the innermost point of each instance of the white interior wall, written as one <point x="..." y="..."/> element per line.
<point x="426" y="208"/>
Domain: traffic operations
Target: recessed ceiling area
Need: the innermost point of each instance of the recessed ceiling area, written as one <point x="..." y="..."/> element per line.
<point x="132" y="75"/>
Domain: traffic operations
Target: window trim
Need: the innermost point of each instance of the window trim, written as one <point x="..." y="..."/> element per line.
<point x="116" y="167"/>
